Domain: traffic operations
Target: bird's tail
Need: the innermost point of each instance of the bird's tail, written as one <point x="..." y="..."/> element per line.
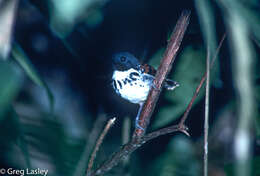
<point x="170" y="85"/>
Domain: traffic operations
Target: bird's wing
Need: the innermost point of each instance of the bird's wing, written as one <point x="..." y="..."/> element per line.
<point x="148" y="69"/>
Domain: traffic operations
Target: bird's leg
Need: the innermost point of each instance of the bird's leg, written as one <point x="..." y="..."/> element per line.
<point x="138" y="116"/>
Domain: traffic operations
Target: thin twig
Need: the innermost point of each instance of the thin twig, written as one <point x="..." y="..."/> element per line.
<point x="164" y="131"/>
<point x="185" y="115"/>
<point x="206" y="120"/>
<point x="99" y="142"/>
<point x="163" y="70"/>
<point x="130" y="147"/>
<point x="92" y="137"/>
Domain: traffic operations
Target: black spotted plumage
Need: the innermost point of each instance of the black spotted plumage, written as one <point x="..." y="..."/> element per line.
<point x="133" y="81"/>
<point x="138" y="76"/>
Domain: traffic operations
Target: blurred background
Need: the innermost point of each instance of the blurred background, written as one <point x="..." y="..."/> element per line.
<point x="56" y="93"/>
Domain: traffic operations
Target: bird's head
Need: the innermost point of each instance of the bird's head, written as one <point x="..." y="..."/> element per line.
<point x="124" y="61"/>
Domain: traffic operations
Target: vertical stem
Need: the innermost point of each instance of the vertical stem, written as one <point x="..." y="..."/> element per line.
<point x="206" y="120"/>
<point x="242" y="61"/>
<point x="242" y="76"/>
<point x="126" y="132"/>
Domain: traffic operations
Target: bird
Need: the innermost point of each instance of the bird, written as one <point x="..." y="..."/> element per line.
<point x="132" y="80"/>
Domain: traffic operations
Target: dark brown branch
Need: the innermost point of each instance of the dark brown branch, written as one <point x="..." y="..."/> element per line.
<point x="163" y="70"/>
<point x="130" y="147"/>
<point x="99" y="142"/>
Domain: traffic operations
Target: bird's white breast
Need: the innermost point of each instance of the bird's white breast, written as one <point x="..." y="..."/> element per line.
<point x="135" y="90"/>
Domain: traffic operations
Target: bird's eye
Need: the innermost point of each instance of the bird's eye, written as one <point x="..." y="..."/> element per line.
<point x="122" y="58"/>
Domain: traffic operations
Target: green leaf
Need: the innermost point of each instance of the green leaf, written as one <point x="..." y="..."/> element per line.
<point x="21" y="141"/>
<point x="66" y="14"/>
<point x="29" y="69"/>
<point x="254" y="163"/>
<point x="10" y="81"/>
